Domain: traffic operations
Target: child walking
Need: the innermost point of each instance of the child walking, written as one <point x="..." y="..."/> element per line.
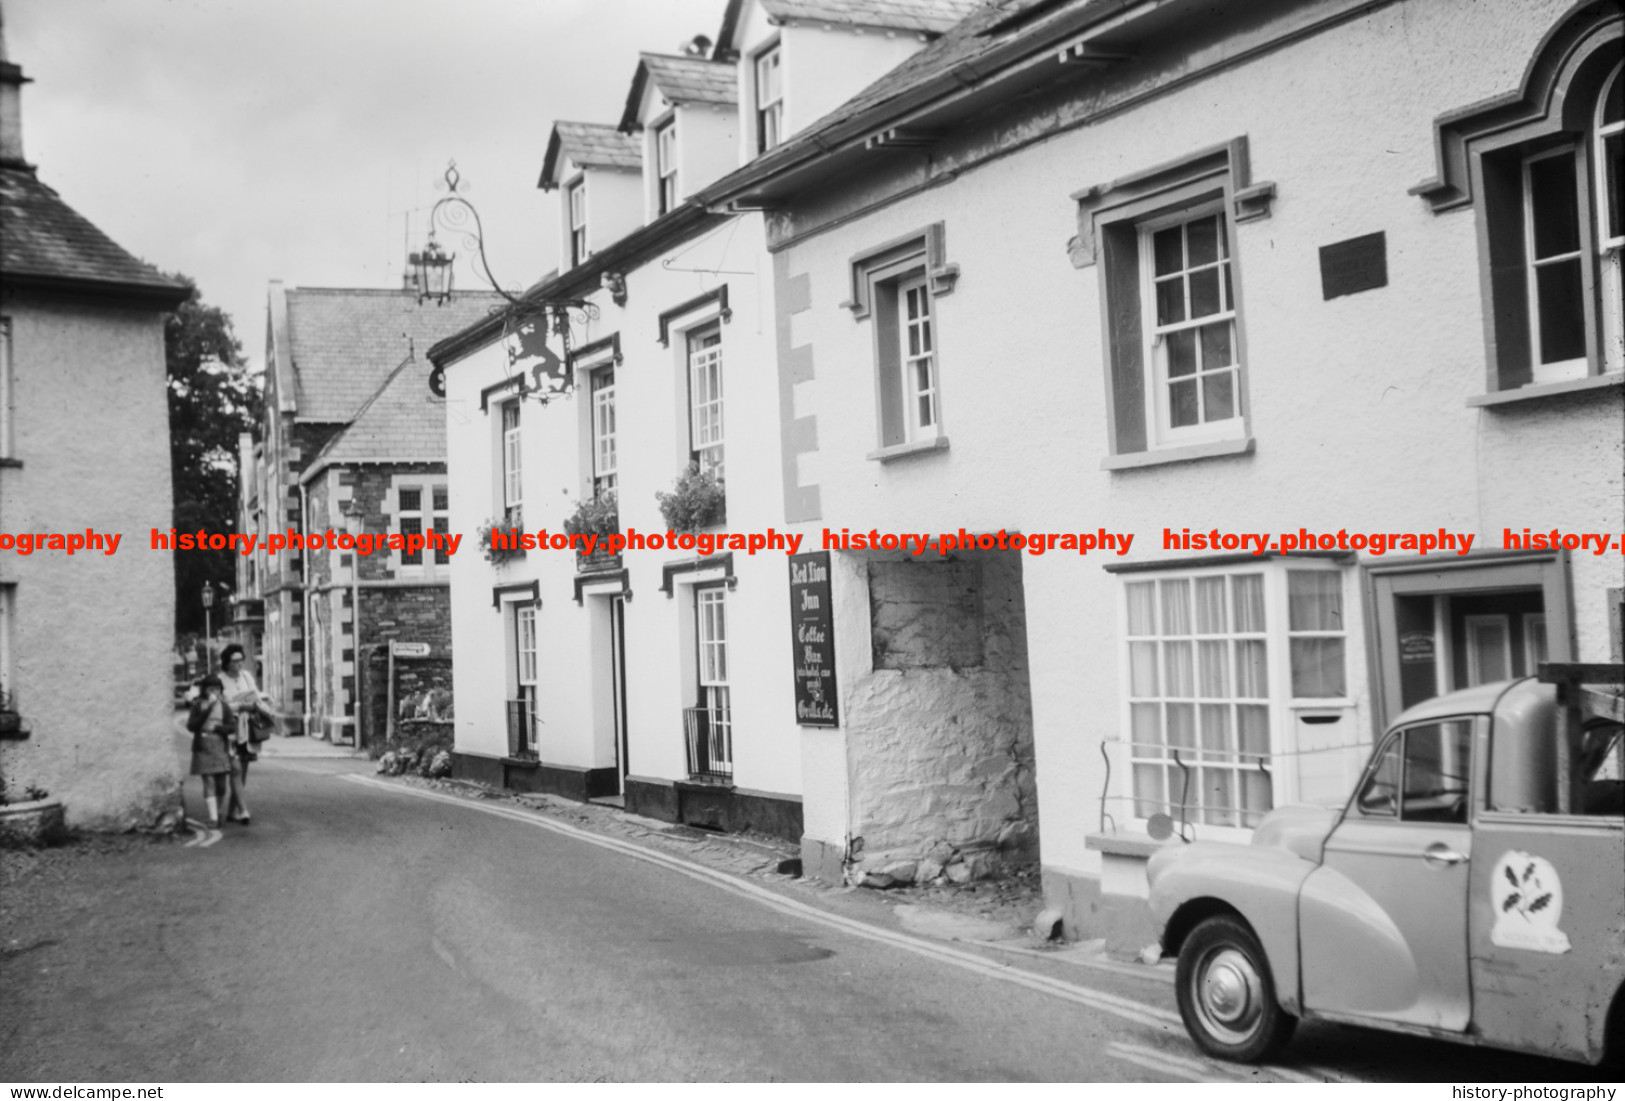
<point x="211" y="725"/>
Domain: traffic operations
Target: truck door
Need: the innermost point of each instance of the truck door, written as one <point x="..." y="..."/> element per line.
<point x="1547" y="893"/>
<point x="1383" y="920"/>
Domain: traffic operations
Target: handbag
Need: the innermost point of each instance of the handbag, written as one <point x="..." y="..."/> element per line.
<point x="260" y="727"/>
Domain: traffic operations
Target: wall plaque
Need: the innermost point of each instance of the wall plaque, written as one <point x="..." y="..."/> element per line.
<point x="812" y="625"/>
<point x="1358" y="264"/>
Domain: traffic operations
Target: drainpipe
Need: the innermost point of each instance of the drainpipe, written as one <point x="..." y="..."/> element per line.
<point x="304" y="604"/>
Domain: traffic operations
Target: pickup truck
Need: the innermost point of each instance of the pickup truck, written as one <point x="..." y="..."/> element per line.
<point x="1472" y="888"/>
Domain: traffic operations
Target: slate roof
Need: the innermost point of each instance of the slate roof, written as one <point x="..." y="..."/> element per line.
<point x="994" y="33"/>
<point x="681" y="80"/>
<point x="692" y="79"/>
<point x="591" y="145"/>
<point x="400" y="422"/>
<point x="931" y="16"/>
<point x="342" y="343"/>
<point x="46" y="241"/>
<point x="965" y="40"/>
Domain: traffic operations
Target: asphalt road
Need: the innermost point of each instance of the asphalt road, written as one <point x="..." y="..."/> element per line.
<point x="362" y="930"/>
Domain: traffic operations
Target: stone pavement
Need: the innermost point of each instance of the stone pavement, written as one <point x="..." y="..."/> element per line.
<point x="280" y="747"/>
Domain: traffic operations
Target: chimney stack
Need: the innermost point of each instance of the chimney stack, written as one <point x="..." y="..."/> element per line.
<point x="11" y="114"/>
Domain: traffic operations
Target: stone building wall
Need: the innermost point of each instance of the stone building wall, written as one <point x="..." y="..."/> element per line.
<point x="940" y="731"/>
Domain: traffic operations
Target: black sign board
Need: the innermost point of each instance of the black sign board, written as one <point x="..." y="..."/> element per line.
<point x="1358" y="264"/>
<point x="812" y="626"/>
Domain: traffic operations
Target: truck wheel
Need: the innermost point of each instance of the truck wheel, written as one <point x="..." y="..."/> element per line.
<point x="1226" y="994"/>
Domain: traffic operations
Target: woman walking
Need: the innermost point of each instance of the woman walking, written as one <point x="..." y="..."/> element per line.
<point x="211" y="726"/>
<point x="253" y="716"/>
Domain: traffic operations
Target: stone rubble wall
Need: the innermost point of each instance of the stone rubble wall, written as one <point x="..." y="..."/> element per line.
<point x="941" y="730"/>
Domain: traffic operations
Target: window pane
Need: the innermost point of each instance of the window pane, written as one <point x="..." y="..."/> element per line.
<point x="1205" y="292"/>
<point x="1147" y="729"/>
<point x="1317" y="667"/>
<point x="1182" y="404"/>
<point x="1142" y="657"/>
<point x="1436" y="773"/>
<point x="1248" y="591"/>
<point x="1169" y="251"/>
<point x="1218" y="796"/>
<point x="1252" y="680"/>
<point x="1553" y="205"/>
<point x="1216" y="728"/>
<point x="1379" y="795"/>
<point x="1182" y="727"/>
<point x="1314" y="600"/>
<point x="1176" y="607"/>
<point x="1203" y="238"/>
<point x="411" y="500"/>
<point x="1255" y="795"/>
<point x="1561" y="299"/>
<point x="1213" y="668"/>
<point x="1614" y="170"/>
<point x="1181" y="677"/>
<point x="1216" y="349"/>
<point x="1219" y="396"/>
<point x="1142" y="608"/>
<point x="1181" y="353"/>
<point x="1170" y="301"/>
<point x="1210" y="606"/>
<point x="1253" y="728"/>
<point x="1148" y="797"/>
<point x="442" y="499"/>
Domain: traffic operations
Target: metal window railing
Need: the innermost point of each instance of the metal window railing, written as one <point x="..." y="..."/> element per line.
<point x="521" y="728"/>
<point x="709" y="732"/>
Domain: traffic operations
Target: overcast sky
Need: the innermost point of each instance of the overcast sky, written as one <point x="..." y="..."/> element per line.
<point x="240" y="141"/>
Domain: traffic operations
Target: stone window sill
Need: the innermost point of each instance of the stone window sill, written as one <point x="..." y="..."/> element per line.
<point x="904" y="450"/>
<point x="1126" y="844"/>
<point x="1549" y="389"/>
<point x="1189" y="453"/>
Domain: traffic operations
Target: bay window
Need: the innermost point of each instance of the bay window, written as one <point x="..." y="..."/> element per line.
<point x="1219" y="665"/>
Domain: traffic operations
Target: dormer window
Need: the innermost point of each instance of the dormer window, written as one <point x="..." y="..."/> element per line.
<point x="769" y="100"/>
<point x="666" y="166"/>
<point x="578" y="222"/>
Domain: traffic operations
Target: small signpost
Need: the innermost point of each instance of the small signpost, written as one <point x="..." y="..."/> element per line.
<point x="409" y="649"/>
<point x="812" y="623"/>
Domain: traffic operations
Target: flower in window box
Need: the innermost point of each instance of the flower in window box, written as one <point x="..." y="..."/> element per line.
<point x="494" y="530"/>
<point x="697" y="500"/>
<point x="598" y="516"/>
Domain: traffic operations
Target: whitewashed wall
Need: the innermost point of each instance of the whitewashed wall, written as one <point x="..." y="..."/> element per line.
<point x="1358" y="404"/>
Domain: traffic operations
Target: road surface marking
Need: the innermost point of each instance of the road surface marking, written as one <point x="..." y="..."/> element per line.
<point x="1126" y="1008"/>
<point x="203" y="836"/>
<point x="1163" y="1063"/>
<point x="1156" y="973"/>
<point x="1205" y="1070"/>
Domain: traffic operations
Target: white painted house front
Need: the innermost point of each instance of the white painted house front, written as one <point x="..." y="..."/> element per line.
<point x="663" y="678"/>
<point x="1320" y="268"/>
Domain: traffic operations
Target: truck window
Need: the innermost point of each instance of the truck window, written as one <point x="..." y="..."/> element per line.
<point x="1602" y="768"/>
<point x="1422" y="774"/>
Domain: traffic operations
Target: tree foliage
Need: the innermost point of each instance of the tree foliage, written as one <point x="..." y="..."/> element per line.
<point x="212" y="398"/>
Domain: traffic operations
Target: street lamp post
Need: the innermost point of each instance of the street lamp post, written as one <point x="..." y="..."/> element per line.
<point x="208" y="627"/>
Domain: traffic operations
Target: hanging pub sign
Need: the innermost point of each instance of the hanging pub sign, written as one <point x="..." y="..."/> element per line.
<point x="812" y="622"/>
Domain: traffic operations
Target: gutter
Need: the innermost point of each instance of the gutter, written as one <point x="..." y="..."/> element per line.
<point x="167" y="297"/>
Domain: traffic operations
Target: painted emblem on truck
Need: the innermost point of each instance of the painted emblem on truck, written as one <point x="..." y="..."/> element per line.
<point x="1528" y="900"/>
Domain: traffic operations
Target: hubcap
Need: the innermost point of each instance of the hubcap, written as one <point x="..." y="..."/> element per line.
<point x="1229" y="994"/>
